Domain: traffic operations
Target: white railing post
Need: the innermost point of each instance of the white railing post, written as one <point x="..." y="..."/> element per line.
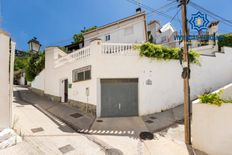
<point x="117" y="49"/>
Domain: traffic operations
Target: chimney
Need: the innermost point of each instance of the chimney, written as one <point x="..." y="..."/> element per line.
<point x="138" y="10"/>
<point x="213" y="27"/>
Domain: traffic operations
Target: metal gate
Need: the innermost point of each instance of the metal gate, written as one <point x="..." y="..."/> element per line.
<point x="119" y="97"/>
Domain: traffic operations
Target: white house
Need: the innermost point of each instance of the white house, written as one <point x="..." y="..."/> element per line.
<point x="7" y="48"/>
<point x="22" y="80"/>
<point x="128" y="30"/>
<point x="111" y="79"/>
<point x="164" y="35"/>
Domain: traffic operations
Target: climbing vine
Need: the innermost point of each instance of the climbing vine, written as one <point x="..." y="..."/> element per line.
<point x="151" y="50"/>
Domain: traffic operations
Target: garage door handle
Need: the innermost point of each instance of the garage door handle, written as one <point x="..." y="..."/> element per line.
<point x="119" y="106"/>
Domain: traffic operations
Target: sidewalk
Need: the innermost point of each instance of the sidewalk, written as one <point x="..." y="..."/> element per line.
<point x="70" y="115"/>
<point x="44" y="134"/>
<point x="88" y="124"/>
<point x="113" y="134"/>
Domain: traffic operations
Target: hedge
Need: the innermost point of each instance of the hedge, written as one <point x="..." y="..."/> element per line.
<point x="225" y="40"/>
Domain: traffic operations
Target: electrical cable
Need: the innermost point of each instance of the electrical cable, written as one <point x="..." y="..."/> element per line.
<point x="214" y="16"/>
<point x="150" y="9"/>
<point x="175" y="15"/>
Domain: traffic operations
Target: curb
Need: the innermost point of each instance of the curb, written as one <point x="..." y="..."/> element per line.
<point x="100" y="143"/>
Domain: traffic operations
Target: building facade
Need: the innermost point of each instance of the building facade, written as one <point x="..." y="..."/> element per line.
<point x="109" y="79"/>
<point x="164" y="35"/>
<point x="128" y="30"/>
<point x="7" y="48"/>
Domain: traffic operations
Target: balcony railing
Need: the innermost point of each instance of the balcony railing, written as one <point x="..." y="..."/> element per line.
<point x="117" y="49"/>
<point x="106" y="49"/>
<point x="77" y="55"/>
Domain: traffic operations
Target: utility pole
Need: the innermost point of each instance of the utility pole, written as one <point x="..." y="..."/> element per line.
<point x="186" y="73"/>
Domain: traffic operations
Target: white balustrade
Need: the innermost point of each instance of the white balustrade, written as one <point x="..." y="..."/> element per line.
<point x="76" y="55"/>
<point x="106" y="49"/>
<point x="117" y="49"/>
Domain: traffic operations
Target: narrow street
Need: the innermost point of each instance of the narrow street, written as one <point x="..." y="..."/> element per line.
<point x="44" y="134"/>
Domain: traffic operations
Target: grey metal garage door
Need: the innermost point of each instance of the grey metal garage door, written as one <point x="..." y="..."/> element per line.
<point x="119" y="97"/>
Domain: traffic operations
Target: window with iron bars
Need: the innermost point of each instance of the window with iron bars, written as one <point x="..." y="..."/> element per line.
<point x="81" y="74"/>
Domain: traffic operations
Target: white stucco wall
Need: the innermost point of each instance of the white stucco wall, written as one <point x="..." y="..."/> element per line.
<point x="54" y="76"/>
<point x="38" y="82"/>
<point x="227" y="92"/>
<point x="211" y="126"/>
<point x="166" y="90"/>
<point x="206" y="50"/>
<point x="5" y="89"/>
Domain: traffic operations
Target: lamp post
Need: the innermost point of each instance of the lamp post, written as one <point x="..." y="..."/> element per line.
<point x="34" y="45"/>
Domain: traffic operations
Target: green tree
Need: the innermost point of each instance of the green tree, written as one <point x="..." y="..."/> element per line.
<point x="21" y="61"/>
<point x="36" y="64"/>
<point x="225" y="40"/>
<point x="79" y="38"/>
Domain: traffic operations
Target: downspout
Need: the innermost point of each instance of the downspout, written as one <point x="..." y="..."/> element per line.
<point x="145" y="25"/>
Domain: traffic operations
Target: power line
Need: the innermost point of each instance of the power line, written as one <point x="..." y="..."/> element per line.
<point x="171" y="1"/>
<point x="175" y="15"/>
<point x="211" y="14"/>
<point x="179" y="19"/>
<point x="150" y="9"/>
<point x="136" y="2"/>
<point x="166" y="5"/>
<point x="171" y="8"/>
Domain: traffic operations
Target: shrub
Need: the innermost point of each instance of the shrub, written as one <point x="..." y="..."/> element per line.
<point x="79" y="38"/>
<point x="161" y="52"/>
<point x="213" y="98"/>
<point x="225" y="40"/>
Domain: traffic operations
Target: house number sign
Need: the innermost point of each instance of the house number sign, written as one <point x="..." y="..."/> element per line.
<point x="148" y="82"/>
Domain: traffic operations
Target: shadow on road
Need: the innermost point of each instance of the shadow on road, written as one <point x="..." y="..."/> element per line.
<point x="85" y="124"/>
<point x="19" y="100"/>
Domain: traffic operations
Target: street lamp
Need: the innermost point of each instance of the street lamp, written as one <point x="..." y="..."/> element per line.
<point x="34" y="45"/>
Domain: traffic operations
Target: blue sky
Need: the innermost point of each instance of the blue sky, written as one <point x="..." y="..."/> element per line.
<point x="54" y="22"/>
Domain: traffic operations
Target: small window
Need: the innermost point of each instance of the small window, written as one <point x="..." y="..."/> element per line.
<point x="87" y="75"/>
<point x="82" y="74"/>
<point x="107" y="37"/>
